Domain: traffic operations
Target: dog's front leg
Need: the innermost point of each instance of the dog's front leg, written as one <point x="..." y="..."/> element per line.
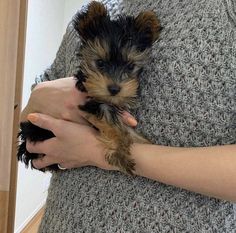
<point x="110" y="113"/>
<point x="80" y="79"/>
<point x="114" y="137"/>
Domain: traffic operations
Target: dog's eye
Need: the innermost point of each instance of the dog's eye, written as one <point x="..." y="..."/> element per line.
<point x="100" y="63"/>
<point x="130" y="67"/>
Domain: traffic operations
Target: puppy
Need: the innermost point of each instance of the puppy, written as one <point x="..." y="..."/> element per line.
<point x="112" y="56"/>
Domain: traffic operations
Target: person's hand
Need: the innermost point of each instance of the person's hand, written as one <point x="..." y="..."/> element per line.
<point x="74" y="146"/>
<point x="60" y="99"/>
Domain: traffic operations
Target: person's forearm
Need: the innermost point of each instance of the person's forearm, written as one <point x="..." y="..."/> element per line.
<point x="207" y="170"/>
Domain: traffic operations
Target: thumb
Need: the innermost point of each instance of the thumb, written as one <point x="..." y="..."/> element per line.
<point x="43" y="121"/>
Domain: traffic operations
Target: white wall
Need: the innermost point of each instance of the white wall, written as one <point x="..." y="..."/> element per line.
<point x="71" y="7"/>
<point x="47" y="21"/>
<point x="44" y="34"/>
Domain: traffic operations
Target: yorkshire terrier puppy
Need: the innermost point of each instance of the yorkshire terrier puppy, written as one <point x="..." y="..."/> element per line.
<point x="112" y="56"/>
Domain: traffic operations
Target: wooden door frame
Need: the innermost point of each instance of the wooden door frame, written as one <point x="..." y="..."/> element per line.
<point x="12" y="48"/>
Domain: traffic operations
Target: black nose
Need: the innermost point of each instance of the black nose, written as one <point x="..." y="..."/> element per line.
<point x="113" y="89"/>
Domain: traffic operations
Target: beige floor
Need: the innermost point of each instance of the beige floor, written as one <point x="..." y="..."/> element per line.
<point x="33" y="225"/>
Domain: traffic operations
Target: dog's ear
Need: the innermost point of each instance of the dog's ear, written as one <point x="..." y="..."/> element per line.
<point x="88" y="22"/>
<point x="148" y="27"/>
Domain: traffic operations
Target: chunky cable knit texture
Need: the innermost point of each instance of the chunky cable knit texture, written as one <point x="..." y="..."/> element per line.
<point x="188" y="98"/>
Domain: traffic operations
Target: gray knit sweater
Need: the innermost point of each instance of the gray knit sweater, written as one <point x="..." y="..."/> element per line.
<point x="188" y="98"/>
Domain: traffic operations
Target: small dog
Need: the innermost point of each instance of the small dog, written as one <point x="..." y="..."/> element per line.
<point x="112" y="56"/>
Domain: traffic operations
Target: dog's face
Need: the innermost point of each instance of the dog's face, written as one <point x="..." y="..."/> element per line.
<point x="113" y="52"/>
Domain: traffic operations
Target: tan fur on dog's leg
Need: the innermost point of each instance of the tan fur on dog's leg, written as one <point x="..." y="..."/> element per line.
<point x="116" y="142"/>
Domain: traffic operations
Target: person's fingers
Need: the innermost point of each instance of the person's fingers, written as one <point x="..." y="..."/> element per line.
<point x="43" y="162"/>
<point x="44" y="121"/>
<point x="35" y="147"/>
<point x="49" y="156"/>
<point x="41" y="147"/>
<point x="129" y="119"/>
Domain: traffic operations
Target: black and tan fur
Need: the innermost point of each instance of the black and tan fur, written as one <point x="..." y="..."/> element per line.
<point x="112" y="56"/>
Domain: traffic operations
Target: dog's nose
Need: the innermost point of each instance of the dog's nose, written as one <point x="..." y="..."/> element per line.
<point x="113" y="89"/>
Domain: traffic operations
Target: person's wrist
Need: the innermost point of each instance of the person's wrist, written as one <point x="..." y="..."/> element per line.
<point x="135" y="151"/>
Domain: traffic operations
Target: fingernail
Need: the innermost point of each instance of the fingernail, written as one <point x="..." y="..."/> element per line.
<point x="132" y="121"/>
<point x="32" y="117"/>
